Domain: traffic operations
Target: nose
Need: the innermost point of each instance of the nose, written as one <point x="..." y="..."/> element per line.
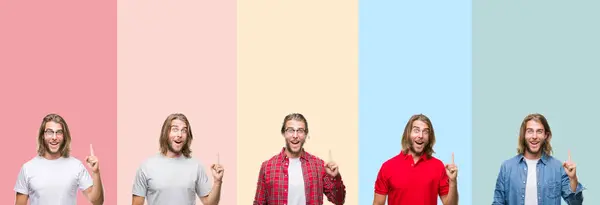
<point x="53" y="136"/>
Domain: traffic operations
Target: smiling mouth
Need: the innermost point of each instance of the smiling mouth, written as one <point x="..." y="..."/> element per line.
<point x="419" y="143"/>
<point x="178" y="142"/>
<point x="295" y="142"/>
<point x="53" y="143"/>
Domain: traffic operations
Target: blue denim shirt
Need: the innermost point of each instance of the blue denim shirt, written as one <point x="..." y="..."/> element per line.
<point x="552" y="183"/>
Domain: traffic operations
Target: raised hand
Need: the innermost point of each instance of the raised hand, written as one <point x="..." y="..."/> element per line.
<point x="570" y="167"/>
<point x="217" y="170"/>
<point x="331" y="167"/>
<point x="92" y="161"/>
<point x="452" y="170"/>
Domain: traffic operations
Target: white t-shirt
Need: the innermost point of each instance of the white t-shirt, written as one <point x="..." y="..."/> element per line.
<point x="296" y="194"/>
<point x="53" y="182"/>
<point x="165" y="181"/>
<point x="531" y="196"/>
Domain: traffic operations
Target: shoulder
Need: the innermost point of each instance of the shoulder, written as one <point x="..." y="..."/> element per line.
<point x="313" y="158"/>
<point x="511" y="162"/>
<point x="552" y="161"/>
<point x="73" y="160"/>
<point x="32" y="162"/>
<point x="392" y="162"/>
<point x="150" y="161"/>
<point x="271" y="161"/>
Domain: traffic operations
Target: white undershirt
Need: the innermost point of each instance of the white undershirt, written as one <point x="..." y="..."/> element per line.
<point x="531" y="197"/>
<point x="296" y="194"/>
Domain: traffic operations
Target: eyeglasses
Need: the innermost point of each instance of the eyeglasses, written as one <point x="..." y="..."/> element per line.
<point x="291" y="131"/>
<point x="50" y="133"/>
<point x="176" y="129"/>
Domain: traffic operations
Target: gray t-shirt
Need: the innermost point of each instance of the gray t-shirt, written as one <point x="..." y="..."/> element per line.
<point x="163" y="180"/>
<point x="53" y="182"/>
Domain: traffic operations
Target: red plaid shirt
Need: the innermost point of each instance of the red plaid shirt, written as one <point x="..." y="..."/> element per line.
<point x="272" y="183"/>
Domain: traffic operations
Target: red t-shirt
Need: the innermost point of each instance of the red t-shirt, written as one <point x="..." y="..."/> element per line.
<point x="406" y="182"/>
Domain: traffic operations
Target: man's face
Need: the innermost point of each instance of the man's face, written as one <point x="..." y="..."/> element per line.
<point x="177" y="136"/>
<point x="419" y="137"/>
<point x="294" y="134"/>
<point x="53" y="137"/>
<point x="535" y="136"/>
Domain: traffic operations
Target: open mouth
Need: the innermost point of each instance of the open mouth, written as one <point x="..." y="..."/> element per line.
<point x="534" y="144"/>
<point x="54" y="144"/>
<point x="420" y="143"/>
<point x="178" y="142"/>
<point x="295" y="142"/>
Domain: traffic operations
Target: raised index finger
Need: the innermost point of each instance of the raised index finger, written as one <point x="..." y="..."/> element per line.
<point x="91" y="150"/>
<point x="569" y="155"/>
<point x="452" y="158"/>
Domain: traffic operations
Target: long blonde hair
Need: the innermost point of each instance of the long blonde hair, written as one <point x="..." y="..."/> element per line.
<point x="406" y="142"/>
<point x="546" y="146"/>
<point x="65" y="147"/>
<point x="166" y="129"/>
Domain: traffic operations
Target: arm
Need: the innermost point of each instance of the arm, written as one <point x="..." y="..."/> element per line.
<point x="572" y="190"/>
<point x="138" y="200"/>
<point x="215" y="195"/>
<point x="381" y="186"/>
<point x="260" y="197"/>
<point x="452" y="197"/>
<point x="140" y="187"/>
<point x="210" y="196"/>
<point x="379" y="199"/>
<point x="95" y="193"/>
<point x="334" y="189"/>
<point x="21" y="188"/>
<point x="499" y="195"/>
<point x="21" y="199"/>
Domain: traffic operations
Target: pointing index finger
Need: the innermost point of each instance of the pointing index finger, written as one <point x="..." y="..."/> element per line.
<point x="91" y="150"/>
<point x="452" y="158"/>
<point x="569" y="155"/>
<point x="330" y="157"/>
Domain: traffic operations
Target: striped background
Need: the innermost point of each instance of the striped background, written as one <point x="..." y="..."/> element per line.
<point x="357" y="70"/>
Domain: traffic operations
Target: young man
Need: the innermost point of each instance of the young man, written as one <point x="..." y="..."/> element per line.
<point x="53" y="177"/>
<point x="414" y="176"/>
<point x="295" y="177"/>
<point x="173" y="176"/>
<point x="533" y="176"/>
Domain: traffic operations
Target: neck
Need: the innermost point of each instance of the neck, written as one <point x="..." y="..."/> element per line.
<point x="529" y="155"/>
<point x="415" y="156"/>
<point x="293" y="155"/>
<point x="50" y="156"/>
<point x="173" y="154"/>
